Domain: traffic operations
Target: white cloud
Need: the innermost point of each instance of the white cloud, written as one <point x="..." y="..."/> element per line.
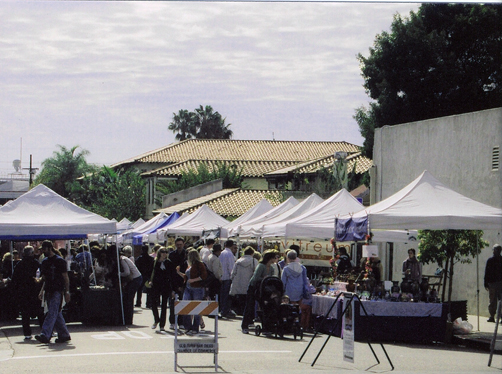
<point x="109" y="75"/>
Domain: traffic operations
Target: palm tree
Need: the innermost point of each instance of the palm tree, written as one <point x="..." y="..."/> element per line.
<point x="211" y="125"/>
<point x="60" y="172"/>
<point x="203" y="123"/>
<point x="183" y="124"/>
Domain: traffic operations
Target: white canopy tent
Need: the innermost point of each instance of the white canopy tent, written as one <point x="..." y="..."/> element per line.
<point x="202" y="219"/>
<point x="318" y="222"/>
<point x="262" y="207"/>
<point x="138" y="223"/>
<point x="298" y="210"/>
<point x="123" y="225"/>
<point x="425" y="203"/>
<point x="43" y="214"/>
<point x="249" y="229"/>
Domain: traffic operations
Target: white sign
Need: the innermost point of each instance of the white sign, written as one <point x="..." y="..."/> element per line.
<point x="348" y="330"/>
<point x="201" y="346"/>
<point x="370" y="251"/>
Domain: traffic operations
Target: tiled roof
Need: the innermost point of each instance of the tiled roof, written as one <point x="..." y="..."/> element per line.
<point x="227" y="202"/>
<point x="362" y="165"/>
<point x="241" y="150"/>
<point x="249" y="168"/>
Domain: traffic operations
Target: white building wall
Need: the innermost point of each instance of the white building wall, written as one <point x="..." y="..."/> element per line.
<point x="457" y="150"/>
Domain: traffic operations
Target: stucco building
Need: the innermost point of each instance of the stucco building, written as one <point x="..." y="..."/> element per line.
<point x="463" y="152"/>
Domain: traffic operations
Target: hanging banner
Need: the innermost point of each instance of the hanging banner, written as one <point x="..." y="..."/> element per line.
<point x="348" y="329"/>
<point x="351" y="229"/>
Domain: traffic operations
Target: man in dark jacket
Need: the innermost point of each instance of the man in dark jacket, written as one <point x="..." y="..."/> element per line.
<point x="144" y="263"/>
<point x="26" y="287"/>
<point x="493" y="280"/>
<point x="179" y="259"/>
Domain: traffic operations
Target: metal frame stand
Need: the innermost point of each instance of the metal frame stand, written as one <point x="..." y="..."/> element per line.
<point x="331" y="332"/>
<point x="494" y="338"/>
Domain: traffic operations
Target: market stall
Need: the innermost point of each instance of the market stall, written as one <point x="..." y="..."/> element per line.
<point x="425" y="203"/>
<point x="194" y="224"/>
<point x="41" y="214"/>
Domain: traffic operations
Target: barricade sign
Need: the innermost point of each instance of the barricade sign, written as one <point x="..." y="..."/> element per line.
<point x="196" y="345"/>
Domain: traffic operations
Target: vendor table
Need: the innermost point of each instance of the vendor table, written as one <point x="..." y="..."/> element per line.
<point x="387" y="320"/>
<point x="101" y="306"/>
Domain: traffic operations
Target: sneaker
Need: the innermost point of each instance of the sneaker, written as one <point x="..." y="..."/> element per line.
<point x="42" y="339"/>
<point x="63" y="340"/>
<point x="181" y="327"/>
<point x="491" y="319"/>
<point x="154" y="326"/>
<point x="192" y="333"/>
<point x="171" y="326"/>
<point x="245" y="331"/>
<point x="27" y="337"/>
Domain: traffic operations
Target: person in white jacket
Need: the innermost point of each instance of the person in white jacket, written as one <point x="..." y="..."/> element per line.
<point x="241" y="274"/>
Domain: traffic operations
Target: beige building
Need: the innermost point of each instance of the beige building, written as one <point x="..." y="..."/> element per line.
<point x="267" y="167"/>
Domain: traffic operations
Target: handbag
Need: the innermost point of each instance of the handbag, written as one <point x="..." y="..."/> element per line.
<point x="148" y="283"/>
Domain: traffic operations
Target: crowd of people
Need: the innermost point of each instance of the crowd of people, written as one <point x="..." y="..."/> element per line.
<point x="162" y="274"/>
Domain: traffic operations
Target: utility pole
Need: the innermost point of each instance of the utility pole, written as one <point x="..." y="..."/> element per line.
<point x="31" y="169"/>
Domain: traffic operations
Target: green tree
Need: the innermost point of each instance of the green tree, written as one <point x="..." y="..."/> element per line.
<point x="230" y="175"/>
<point x="61" y="171"/>
<point x="114" y="194"/>
<point x="203" y="123"/>
<point x="448" y="247"/>
<point x="445" y="59"/>
<point x="183" y="125"/>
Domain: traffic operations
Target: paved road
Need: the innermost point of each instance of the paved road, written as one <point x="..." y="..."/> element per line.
<point x="138" y="349"/>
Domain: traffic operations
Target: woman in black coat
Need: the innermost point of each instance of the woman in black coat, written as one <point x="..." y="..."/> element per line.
<point x="161" y="288"/>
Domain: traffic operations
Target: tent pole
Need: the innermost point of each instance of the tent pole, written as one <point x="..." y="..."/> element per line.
<point x="11" y="258"/>
<point x="477" y="275"/>
<point x="120" y="286"/>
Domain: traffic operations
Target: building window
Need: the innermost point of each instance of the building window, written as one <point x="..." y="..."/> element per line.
<point x="496" y="158"/>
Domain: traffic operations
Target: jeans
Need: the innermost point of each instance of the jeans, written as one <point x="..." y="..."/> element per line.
<point x="193" y="294"/>
<point x="225" y="297"/>
<point x="128" y="298"/>
<point x="54" y="319"/>
<point x="172" y="318"/>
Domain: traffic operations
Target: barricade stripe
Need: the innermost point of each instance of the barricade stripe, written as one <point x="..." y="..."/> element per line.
<point x="188" y="307"/>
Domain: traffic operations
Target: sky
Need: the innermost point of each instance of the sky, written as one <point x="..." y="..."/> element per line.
<point x="108" y="76"/>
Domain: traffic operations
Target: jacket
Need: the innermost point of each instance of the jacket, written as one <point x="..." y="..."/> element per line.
<point x="294" y="278"/>
<point x="241" y="274"/>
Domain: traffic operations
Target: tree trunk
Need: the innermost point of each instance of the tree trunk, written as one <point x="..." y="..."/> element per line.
<point x="445" y="277"/>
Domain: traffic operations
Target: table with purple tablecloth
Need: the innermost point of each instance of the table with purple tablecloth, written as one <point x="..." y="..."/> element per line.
<point x="386" y="320"/>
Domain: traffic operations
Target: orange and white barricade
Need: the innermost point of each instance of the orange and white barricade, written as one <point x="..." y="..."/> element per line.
<point x="196" y="345"/>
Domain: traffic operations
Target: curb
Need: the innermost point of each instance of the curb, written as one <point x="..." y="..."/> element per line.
<point x="6" y="351"/>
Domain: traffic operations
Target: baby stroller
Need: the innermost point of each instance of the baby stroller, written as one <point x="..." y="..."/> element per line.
<point x="276" y="318"/>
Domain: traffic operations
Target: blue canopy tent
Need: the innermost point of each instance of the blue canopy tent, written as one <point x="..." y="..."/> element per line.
<point x="160" y="223"/>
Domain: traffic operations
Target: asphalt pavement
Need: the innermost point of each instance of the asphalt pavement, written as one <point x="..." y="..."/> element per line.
<point x="140" y="349"/>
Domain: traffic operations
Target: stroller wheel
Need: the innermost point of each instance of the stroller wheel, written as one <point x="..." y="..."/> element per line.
<point x="257" y="330"/>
